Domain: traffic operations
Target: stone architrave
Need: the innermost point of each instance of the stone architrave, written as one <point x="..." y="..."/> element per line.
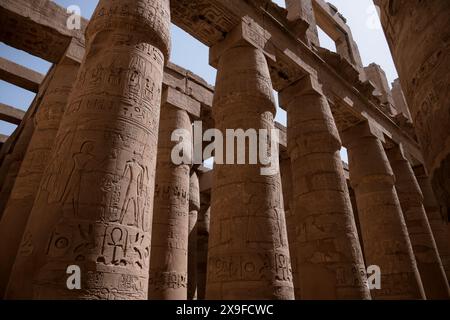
<point x="94" y="204"/>
<point x="330" y="264"/>
<point x="21" y="200"/>
<point x="383" y="229"/>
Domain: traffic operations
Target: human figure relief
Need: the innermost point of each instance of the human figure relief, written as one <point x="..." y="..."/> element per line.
<point x="80" y="161"/>
<point x="137" y="176"/>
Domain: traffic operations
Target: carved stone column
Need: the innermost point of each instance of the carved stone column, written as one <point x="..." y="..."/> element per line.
<point x="291" y="225"/>
<point x="437" y="222"/>
<point x="385" y="237"/>
<point x="194" y="207"/>
<point x="169" y="250"/>
<point x="424" y="77"/>
<point x="248" y="254"/>
<point x="329" y="259"/>
<point x="46" y="123"/>
<point x="424" y="247"/>
<point x="14" y="150"/>
<point x="94" y="204"/>
<point x="202" y="244"/>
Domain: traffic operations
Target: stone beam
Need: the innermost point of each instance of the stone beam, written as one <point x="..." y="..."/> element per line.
<point x="20" y="76"/>
<point x="209" y="21"/>
<point x="11" y="114"/>
<point x="3" y="139"/>
<point x="42" y="25"/>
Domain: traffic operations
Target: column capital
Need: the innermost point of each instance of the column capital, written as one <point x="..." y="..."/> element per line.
<point x="142" y="19"/>
<point x="396" y="152"/>
<point x="308" y="85"/>
<point x="366" y="129"/>
<point x="246" y="33"/>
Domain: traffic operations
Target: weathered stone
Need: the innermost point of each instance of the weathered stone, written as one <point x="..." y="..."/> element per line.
<point x="291" y="225"/>
<point x="384" y="233"/>
<point x="248" y="254"/>
<point x="11" y="114"/>
<point x="329" y="259"/>
<point x="94" y="204"/>
<point x="46" y="123"/>
<point x="202" y="244"/>
<point x="169" y="250"/>
<point x="424" y="247"/>
<point x="399" y="99"/>
<point x="437" y="221"/>
<point x="424" y="74"/>
<point x="194" y="207"/>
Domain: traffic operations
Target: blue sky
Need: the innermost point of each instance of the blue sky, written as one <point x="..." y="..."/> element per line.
<point x="191" y="54"/>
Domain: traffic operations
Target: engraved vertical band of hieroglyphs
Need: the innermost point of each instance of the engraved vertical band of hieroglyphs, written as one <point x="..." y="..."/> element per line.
<point x="94" y="203"/>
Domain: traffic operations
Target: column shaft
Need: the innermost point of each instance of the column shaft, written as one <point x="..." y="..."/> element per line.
<point x="194" y="207"/>
<point x="383" y="228"/>
<point x="424" y="247"/>
<point x="437" y="222"/>
<point x="169" y="251"/>
<point x="93" y="207"/>
<point x="46" y="123"/>
<point x="202" y="244"/>
<point x="291" y="225"/>
<point x="248" y="254"/>
<point x="329" y="258"/>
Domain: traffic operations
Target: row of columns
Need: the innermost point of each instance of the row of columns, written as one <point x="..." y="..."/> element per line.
<point x="111" y="200"/>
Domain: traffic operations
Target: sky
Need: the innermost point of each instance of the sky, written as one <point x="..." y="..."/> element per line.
<point x="193" y="55"/>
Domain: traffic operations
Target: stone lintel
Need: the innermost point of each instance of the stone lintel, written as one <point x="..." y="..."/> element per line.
<point x="181" y="101"/>
<point x="44" y="32"/>
<point x="3" y="139"/>
<point x="247" y="32"/>
<point x="283" y="136"/>
<point x="205" y="180"/>
<point x="20" y="76"/>
<point x="11" y="114"/>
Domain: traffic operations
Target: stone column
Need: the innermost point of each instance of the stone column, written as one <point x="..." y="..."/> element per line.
<point x="383" y="228"/>
<point x="93" y="207"/>
<point x="424" y="75"/>
<point x="169" y="250"/>
<point x="14" y="150"/>
<point x="437" y="222"/>
<point x="248" y="254"/>
<point x="194" y="207"/>
<point x="329" y="259"/>
<point x="424" y="247"/>
<point x="46" y="123"/>
<point x="202" y="244"/>
<point x="291" y="225"/>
